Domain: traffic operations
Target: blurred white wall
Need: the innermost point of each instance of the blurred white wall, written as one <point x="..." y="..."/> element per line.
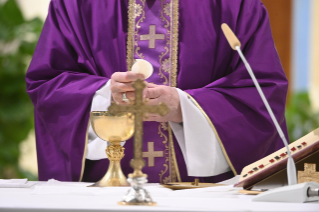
<point x="314" y="58"/>
<point x="28" y="155"/>
<point x="34" y="8"/>
<point x="305" y="49"/>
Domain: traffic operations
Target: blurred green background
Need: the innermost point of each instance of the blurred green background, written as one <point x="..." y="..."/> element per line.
<point x="18" y="38"/>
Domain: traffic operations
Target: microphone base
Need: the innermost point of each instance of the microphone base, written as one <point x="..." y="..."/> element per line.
<point x="298" y="193"/>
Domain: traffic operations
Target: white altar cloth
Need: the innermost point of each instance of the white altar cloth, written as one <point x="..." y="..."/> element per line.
<point x="76" y="197"/>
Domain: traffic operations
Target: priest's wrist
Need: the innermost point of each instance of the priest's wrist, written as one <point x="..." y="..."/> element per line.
<point x="178" y="117"/>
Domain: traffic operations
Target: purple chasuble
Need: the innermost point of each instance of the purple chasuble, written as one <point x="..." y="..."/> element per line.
<point x="84" y="42"/>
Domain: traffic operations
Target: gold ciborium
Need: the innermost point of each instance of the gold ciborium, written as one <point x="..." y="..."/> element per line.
<point x="114" y="129"/>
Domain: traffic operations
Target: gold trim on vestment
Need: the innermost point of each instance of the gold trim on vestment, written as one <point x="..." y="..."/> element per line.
<point x="175" y="17"/>
<point x="137" y="26"/>
<point x="85" y="151"/>
<point x="215" y="131"/>
<point x="175" y="164"/>
<point x="165" y="142"/>
<point x="130" y="34"/>
<point x="166" y="64"/>
<point x="174" y="44"/>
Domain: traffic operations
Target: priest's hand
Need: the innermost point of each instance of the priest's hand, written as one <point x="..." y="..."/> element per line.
<point x="121" y="82"/>
<point x="164" y="94"/>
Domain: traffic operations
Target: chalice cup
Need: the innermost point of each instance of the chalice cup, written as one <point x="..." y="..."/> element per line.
<point x="113" y="128"/>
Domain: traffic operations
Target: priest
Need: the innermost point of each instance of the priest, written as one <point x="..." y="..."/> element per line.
<point x="217" y="122"/>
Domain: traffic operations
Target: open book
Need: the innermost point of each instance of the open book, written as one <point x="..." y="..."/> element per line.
<point x="270" y="171"/>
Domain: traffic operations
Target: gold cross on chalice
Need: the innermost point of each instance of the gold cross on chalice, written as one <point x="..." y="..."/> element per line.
<point x="137" y="195"/>
<point x="116" y="125"/>
<point x="119" y="126"/>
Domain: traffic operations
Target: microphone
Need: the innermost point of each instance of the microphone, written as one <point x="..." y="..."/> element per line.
<point x="291" y="167"/>
<point x="235" y="44"/>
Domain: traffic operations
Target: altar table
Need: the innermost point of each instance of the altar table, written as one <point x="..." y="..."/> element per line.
<point x="77" y="197"/>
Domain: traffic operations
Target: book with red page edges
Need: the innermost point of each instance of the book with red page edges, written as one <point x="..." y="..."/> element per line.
<point x="270" y="171"/>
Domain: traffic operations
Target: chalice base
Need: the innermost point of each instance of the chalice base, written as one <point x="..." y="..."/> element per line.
<point x="113" y="177"/>
<point x="137" y="195"/>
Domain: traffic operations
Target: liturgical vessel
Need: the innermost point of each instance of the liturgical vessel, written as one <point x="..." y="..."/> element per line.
<point x="113" y="128"/>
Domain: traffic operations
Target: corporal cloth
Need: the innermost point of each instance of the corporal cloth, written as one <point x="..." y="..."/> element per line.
<point x="84" y="42"/>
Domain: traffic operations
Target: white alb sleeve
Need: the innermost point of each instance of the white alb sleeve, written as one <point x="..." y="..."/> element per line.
<point x="101" y="101"/>
<point x="201" y="150"/>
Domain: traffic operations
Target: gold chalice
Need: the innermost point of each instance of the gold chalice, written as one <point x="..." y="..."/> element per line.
<point x="113" y="128"/>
